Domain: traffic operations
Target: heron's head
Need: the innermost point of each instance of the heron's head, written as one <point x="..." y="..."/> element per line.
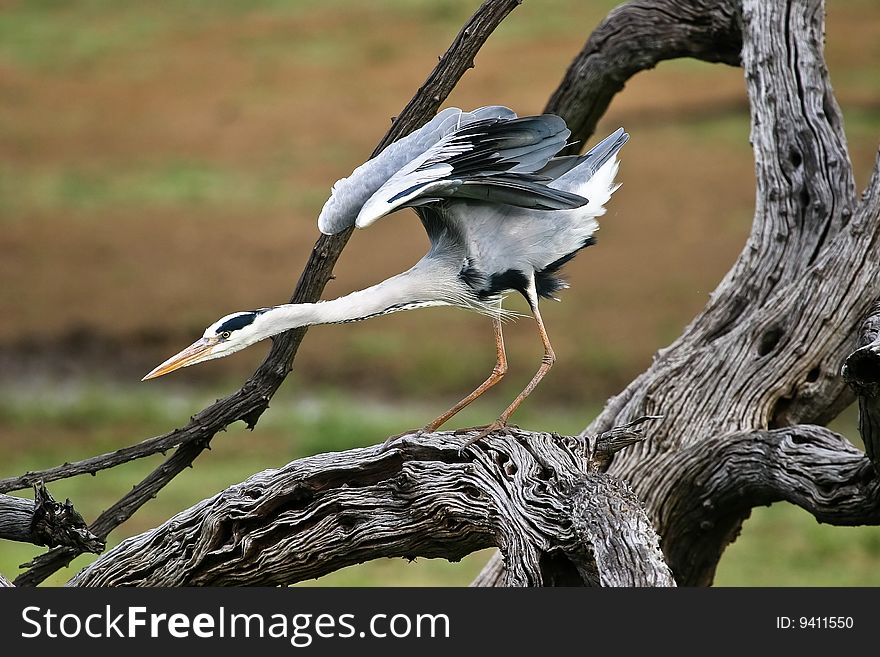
<point x="225" y="336"/>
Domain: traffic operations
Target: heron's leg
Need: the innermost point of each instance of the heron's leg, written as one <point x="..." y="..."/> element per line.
<point x="497" y="374"/>
<point x="546" y="363"/>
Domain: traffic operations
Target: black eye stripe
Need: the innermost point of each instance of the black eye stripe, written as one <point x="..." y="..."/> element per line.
<point x="237" y="322"/>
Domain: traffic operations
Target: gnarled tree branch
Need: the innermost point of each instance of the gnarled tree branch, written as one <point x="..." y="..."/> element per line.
<point x="635" y="37"/>
<point x="766" y="351"/>
<point x="556" y="520"/>
<point x="706" y="485"/>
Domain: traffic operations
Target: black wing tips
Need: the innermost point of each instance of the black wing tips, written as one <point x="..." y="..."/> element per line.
<point x="513" y="160"/>
<point x="521" y="145"/>
<point x="515" y="133"/>
<point x="521" y="193"/>
<point x="501" y="166"/>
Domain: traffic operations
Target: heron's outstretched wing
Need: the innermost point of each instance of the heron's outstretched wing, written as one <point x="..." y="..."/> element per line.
<point x="493" y="159"/>
<point x="349" y="194"/>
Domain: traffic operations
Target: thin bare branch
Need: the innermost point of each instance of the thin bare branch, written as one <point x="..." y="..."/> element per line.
<point x="93" y="464"/>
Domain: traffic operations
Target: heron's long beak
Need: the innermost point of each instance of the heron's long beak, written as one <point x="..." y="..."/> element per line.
<point x="194" y="353"/>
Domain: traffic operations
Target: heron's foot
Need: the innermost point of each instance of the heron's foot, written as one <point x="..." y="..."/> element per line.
<point x="415" y="433"/>
<point x="499" y="426"/>
<point x="486" y="429"/>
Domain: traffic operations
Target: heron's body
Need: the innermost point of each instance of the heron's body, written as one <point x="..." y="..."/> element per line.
<point x="501" y="212"/>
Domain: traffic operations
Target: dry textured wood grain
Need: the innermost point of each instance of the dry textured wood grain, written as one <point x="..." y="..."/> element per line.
<point x="252" y="399"/>
<point x="535" y="496"/>
<point x="16" y="514"/>
<point x="768" y="349"/>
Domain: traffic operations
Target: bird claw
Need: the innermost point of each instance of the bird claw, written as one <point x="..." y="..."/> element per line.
<point x="498" y="426"/>
<point x="415" y="433"/>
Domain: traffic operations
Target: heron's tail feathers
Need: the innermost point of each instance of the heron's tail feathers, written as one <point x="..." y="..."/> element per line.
<point x="596" y="158"/>
<point x="592" y="175"/>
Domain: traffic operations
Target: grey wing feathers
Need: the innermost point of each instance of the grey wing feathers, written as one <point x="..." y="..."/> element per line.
<point x="492" y="159"/>
<point x="488" y="154"/>
<point x="349" y="194"/>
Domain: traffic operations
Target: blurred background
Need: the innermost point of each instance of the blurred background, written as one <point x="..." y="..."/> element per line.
<point x="162" y="164"/>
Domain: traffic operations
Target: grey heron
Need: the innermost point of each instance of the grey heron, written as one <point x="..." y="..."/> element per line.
<point x="502" y="212"/>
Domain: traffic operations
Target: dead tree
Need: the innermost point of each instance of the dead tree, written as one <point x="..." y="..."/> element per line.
<point x="743" y="392"/>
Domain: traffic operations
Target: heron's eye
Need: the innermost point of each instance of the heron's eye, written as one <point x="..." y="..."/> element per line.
<point x="225" y="335"/>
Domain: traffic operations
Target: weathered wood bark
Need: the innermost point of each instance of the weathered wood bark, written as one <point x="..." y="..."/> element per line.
<point x="43" y="521"/>
<point x="555" y="518"/>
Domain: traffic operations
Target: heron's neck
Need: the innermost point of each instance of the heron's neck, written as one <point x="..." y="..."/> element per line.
<point x="401" y="292"/>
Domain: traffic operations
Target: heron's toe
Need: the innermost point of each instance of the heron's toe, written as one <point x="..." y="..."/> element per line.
<point x="415" y="433"/>
<point x="497" y="427"/>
